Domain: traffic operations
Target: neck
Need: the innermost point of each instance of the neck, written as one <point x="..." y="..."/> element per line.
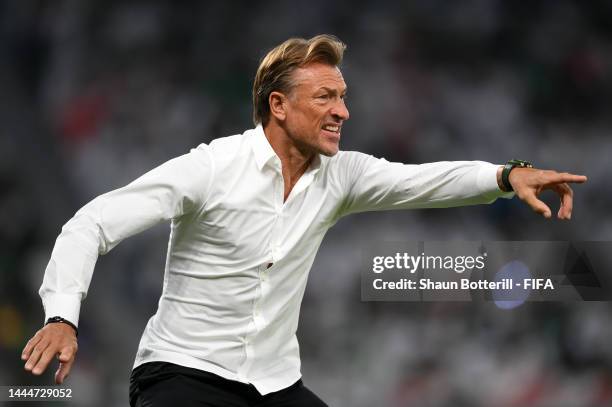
<point x="294" y="160"/>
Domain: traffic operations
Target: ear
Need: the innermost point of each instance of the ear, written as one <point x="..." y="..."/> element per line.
<point x="278" y="105"/>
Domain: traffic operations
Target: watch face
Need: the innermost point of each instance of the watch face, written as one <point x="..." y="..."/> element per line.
<point x="520" y="163"/>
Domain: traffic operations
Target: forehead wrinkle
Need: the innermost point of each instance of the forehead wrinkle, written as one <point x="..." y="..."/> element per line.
<point x="330" y="78"/>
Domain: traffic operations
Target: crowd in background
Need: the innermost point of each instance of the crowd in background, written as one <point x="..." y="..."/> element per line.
<point x="95" y="93"/>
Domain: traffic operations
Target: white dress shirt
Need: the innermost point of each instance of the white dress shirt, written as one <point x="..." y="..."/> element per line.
<point x="222" y="309"/>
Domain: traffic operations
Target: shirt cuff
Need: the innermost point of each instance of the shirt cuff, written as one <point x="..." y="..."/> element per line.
<point x="487" y="182"/>
<point x="62" y="305"/>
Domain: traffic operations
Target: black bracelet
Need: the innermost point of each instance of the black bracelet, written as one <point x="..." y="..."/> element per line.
<point x="53" y="320"/>
<point x="510" y="165"/>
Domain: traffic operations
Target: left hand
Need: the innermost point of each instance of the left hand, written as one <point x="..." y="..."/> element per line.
<point x="528" y="183"/>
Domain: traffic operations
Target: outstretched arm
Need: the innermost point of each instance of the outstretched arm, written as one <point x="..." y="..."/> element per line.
<point x="376" y="184"/>
<point x="373" y="184"/>
<point x="176" y="188"/>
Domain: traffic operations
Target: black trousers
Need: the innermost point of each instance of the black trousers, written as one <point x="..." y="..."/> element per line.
<point x="161" y="384"/>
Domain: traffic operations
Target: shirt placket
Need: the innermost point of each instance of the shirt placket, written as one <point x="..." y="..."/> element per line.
<point x="259" y="320"/>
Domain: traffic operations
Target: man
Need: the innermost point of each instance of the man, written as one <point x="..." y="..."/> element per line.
<point x="248" y="213"/>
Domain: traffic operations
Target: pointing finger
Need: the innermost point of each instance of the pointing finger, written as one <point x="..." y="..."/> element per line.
<point x="564" y="177"/>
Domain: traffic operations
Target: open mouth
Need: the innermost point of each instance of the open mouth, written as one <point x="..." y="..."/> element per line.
<point x="332" y="130"/>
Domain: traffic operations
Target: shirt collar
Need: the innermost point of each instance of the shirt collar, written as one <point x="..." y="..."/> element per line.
<point x="261" y="147"/>
<point x="264" y="152"/>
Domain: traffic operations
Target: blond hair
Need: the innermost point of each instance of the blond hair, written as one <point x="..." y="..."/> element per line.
<point x="276" y="68"/>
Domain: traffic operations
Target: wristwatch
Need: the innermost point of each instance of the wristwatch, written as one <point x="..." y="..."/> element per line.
<point x="510" y="165"/>
<point x="56" y="319"/>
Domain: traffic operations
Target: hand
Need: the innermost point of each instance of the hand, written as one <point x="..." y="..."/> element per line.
<point x="528" y="183"/>
<point x="55" y="339"/>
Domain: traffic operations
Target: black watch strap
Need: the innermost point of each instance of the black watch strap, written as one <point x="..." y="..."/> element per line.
<point x="53" y="320"/>
<point x="510" y="165"/>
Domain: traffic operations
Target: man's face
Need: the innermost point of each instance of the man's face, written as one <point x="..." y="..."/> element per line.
<point x="315" y="109"/>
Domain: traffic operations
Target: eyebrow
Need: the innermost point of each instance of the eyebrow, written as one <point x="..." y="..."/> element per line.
<point x="330" y="90"/>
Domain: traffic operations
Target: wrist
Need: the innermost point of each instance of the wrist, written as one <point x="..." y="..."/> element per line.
<point x="58" y="319"/>
<point x="504" y="175"/>
<point x="499" y="178"/>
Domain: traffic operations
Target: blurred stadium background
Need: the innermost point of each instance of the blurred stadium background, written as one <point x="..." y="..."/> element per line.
<point x="95" y="93"/>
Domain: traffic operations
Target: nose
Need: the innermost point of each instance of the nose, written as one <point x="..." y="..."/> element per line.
<point x="340" y="111"/>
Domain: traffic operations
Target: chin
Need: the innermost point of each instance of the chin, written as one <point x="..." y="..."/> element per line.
<point x="329" y="152"/>
<point x="329" y="148"/>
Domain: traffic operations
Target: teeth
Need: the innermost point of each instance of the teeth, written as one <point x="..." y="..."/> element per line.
<point x="331" y="128"/>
